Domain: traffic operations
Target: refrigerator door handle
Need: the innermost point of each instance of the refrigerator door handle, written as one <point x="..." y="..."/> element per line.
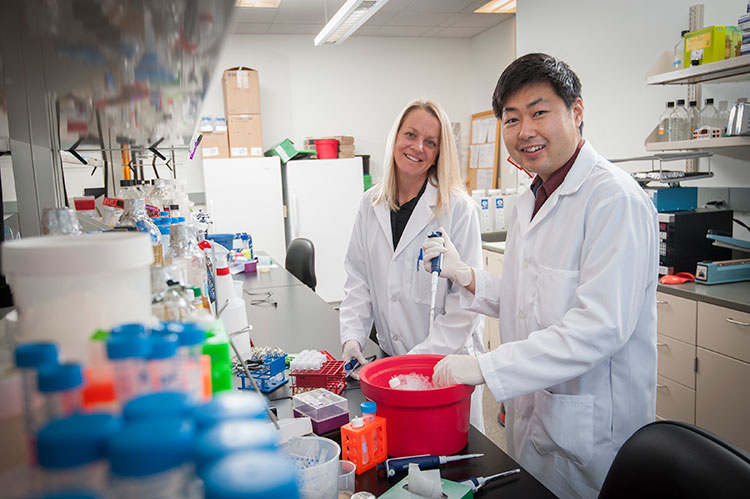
<point x="295" y="215"/>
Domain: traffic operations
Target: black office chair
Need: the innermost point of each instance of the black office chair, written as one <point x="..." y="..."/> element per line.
<point x="300" y="261"/>
<point x="672" y="459"/>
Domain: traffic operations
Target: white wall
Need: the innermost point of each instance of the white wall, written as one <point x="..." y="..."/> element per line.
<point x="358" y="87"/>
<point x="611" y="46"/>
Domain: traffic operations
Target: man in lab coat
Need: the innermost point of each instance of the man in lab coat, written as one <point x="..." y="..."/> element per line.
<point x="576" y="302"/>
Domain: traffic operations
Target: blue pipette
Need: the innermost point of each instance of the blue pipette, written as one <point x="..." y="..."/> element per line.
<point x="425" y="461"/>
<point x="477" y="483"/>
<point x="436" y="265"/>
<point x="349" y="367"/>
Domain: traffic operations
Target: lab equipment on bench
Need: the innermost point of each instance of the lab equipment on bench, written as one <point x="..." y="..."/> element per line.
<point x="364" y="441"/>
<point x="425" y="461"/>
<point x="724" y="271"/>
<point x="317" y="463"/>
<point x="328" y="374"/>
<point x="682" y="238"/>
<point x="477" y="483"/>
<point x="327" y="411"/>
<point x="267" y="370"/>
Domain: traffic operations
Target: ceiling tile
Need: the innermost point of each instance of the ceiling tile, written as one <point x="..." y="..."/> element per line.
<point x="295" y="29"/>
<point x="413" y="18"/>
<point x="253" y="15"/>
<point x="366" y="30"/>
<point x="382" y="17"/>
<point x="449" y="6"/>
<point x="479" y="20"/>
<point x="453" y="32"/>
<point x="474" y="6"/>
<point x="401" y="31"/>
<point x="306" y="11"/>
<point x="249" y="28"/>
<point x="433" y="31"/>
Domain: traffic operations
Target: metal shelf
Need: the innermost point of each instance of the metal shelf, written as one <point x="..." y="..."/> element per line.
<point x="698" y="144"/>
<point x="734" y="69"/>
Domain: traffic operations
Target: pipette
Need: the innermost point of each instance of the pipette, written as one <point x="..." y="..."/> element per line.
<point x="477" y="483"/>
<point x="435" y="266"/>
<point x="425" y="461"/>
<point x="349" y="367"/>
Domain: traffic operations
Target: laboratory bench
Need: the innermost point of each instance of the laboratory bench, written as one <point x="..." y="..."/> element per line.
<point x="299" y="319"/>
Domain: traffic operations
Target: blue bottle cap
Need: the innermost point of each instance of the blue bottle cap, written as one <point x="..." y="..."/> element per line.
<point x="76" y="440"/>
<point x="163" y="213"/>
<point x="127" y="347"/>
<point x="233" y="436"/>
<point x="36" y="354"/>
<point x="159" y="405"/>
<point x="163" y="346"/>
<point x="149" y="447"/>
<point x="180" y="220"/>
<point x="55" y="378"/>
<point x="71" y="494"/>
<point x="129" y="329"/>
<point x="168" y="327"/>
<point x="164" y="229"/>
<point x="174" y="220"/>
<point x="368" y="407"/>
<point x="192" y="334"/>
<point x="272" y="476"/>
<point x="230" y="406"/>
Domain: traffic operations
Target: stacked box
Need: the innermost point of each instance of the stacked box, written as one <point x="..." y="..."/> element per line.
<point x="242" y="107"/>
<point x="214" y="145"/>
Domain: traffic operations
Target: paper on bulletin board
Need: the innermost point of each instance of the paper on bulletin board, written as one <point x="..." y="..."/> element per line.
<point x="475" y="131"/>
<point x="484" y="178"/>
<point x="474" y="156"/>
<point x="491" y="128"/>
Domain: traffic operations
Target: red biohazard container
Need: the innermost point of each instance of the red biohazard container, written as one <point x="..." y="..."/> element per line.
<point x="327" y="148"/>
<point x="434" y="421"/>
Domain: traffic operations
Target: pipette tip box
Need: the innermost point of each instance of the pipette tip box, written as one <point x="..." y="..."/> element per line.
<point x="327" y="411"/>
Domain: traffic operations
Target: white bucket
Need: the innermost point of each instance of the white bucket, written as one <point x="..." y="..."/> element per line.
<point x="67" y="287"/>
<point x="317" y="463"/>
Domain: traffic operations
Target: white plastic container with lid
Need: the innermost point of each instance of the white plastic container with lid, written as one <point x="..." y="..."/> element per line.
<point x="65" y="288"/>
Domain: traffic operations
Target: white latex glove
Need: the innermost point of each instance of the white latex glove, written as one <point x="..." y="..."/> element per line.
<point x="352" y="350"/>
<point x="453" y="267"/>
<point x="457" y="370"/>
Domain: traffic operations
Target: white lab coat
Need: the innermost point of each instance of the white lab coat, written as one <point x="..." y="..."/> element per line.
<point x="577" y="308"/>
<point x="385" y="287"/>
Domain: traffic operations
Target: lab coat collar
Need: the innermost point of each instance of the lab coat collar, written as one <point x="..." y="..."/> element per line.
<point x="419" y="218"/>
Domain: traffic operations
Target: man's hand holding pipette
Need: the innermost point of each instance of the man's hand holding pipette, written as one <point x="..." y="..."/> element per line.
<point x="353" y="350"/>
<point x="453" y="267"/>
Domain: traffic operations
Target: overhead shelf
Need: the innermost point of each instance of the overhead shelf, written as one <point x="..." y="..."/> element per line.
<point x="698" y="144"/>
<point x="728" y="70"/>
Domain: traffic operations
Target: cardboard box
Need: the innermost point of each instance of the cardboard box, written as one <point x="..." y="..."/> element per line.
<point x="215" y="145"/>
<point x="245" y="136"/>
<point x="346" y="149"/>
<point x="241" y="91"/>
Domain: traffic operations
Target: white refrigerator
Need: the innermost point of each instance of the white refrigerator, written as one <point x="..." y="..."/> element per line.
<point x="322" y="197"/>
<point x="245" y="195"/>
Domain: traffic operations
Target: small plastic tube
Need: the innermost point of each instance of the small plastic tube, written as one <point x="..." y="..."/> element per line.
<point x="128" y="354"/>
<point x="359" y="423"/>
<point x="29" y="358"/>
<point x="151" y="459"/>
<point x="161" y="405"/>
<point x="71" y="451"/>
<point x="369" y="409"/>
<point x="191" y="341"/>
<point x="163" y="365"/>
<point x="61" y="387"/>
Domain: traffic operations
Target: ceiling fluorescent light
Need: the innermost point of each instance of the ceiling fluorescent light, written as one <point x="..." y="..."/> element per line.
<point x="264" y="4"/>
<point x="348" y="19"/>
<point x="497" y="7"/>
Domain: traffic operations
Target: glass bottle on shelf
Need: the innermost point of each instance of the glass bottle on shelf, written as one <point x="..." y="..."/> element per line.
<point x="693" y="118"/>
<point x="709" y="115"/>
<point x="679" y="52"/>
<point x="135" y="217"/>
<point x="723" y="116"/>
<point x="679" y="122"/>
<point x="662" y="131"/>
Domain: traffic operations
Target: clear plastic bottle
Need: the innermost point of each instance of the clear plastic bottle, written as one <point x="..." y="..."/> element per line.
<point x="135" y="217"/>
<point x="679" y="122"/>
<point x="128" y="190"/>
<point x="359" y="423"/>
<point x="233" y="436"/>
<point x="709" y="115"/>
<point x="71" y="452"/>
<point x="369" y="409"/>
<point x="723" y="116"/>
<point x="151" y="459"/>
<point x="29" y="358"/>
<point x="61" y="387"/>
<point x="163" y="364"/>
<point x="184" y="252"/>
<point x="679" y="52"/>
<point x="191" y="338"/>
<point x="127" y="354"/>
<point x="662" y="131"/>
<point x="693" y="118"/>
<point x="273" y="476"/>
<point x="159" y="405"/>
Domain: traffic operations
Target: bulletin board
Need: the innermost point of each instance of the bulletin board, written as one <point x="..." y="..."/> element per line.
<point x="484" y="150"/>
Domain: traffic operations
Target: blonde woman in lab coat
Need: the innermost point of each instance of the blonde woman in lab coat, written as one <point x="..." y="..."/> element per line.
<point x="421" y="191"/>
<point x="577" y="299"/>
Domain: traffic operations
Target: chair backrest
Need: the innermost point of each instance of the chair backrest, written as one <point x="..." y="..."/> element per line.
<point x="673" y="459"/>
<point x="300" y="261"/>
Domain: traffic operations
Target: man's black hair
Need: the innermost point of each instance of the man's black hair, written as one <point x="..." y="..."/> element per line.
<point x="533" y="69"/>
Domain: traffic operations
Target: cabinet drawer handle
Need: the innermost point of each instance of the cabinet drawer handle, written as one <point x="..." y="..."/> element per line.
<point x="659" y="345"/>
<point x="662" y="387"/>
<point x="661" y="302"/>
<point x="728" y="319"/>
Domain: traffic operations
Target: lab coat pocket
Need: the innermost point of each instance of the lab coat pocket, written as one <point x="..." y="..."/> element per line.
<point x="564" y="426"/>
<point x="556" y="290"/>
<point x="421" y="289"/>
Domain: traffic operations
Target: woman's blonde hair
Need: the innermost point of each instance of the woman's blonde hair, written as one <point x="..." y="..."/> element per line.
<point x="444" y="174"/>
